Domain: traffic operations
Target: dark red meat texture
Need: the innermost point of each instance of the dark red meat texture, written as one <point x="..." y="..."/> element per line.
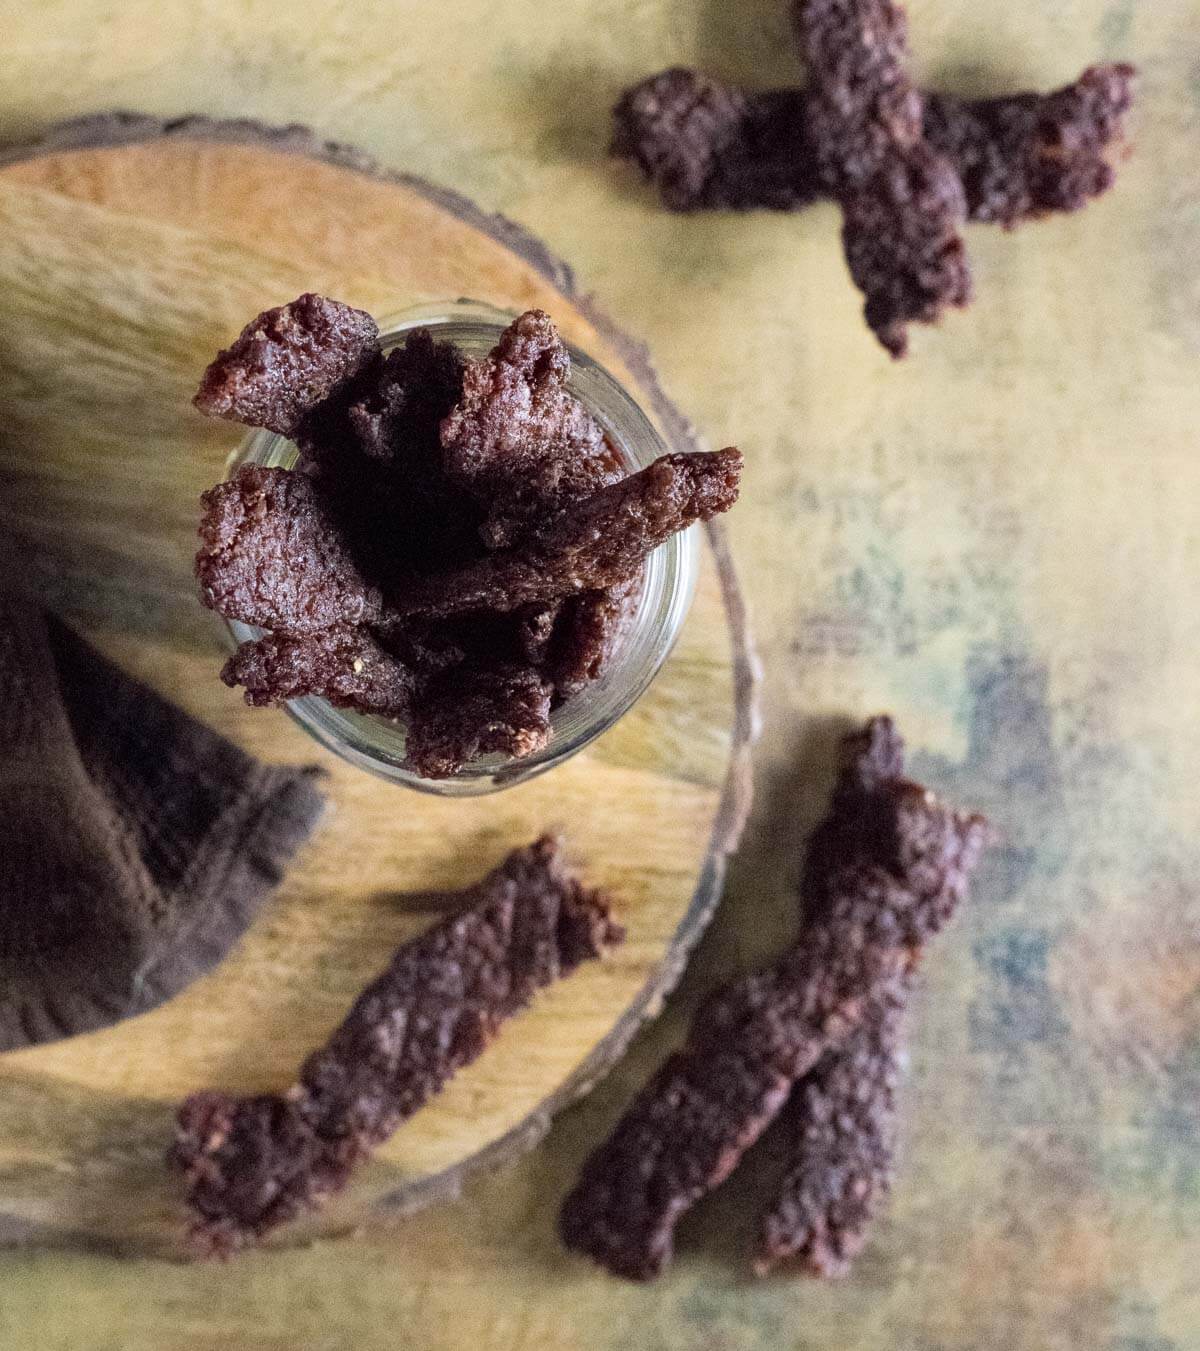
<point x="469" y="712"/>
<point x="286" y="362"/>
<point x="271" y="555"/>
<point x="474" y="647"/>
<point x="838" y="1142"/>
<point x="518" y="440"/>
<point x="596" y="543"/>
<point x="886" y="871"/>
<point x="706" y="145"/>
<point x="252" y="1164"/>
<point x="903" y="203"/>
<point x="346" y="666"/>
<point x="589" y="633"/>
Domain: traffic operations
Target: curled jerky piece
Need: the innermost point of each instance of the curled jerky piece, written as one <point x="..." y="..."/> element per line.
<point x="272" y="555"/>
<point x="346" y="666"/>
<point x="885" y="873"/>
<point x="705" y="145"/>
<point x="252" y="1164"/>
<point x="589" y="631"/>
<point x="470" y="712"/>
<point x="593" y="544"/>
<point x="903" y="203"/>
<point x="286" y="362"/>
<point x="839" y="1133"/>
<point x="518" y="441"/>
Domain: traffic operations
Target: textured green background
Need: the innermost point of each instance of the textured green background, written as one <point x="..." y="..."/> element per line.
<point x="999" y="540"/>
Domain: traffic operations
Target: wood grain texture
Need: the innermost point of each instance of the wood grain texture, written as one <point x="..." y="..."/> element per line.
<point x="998" y="540"/>
<point x="127" y="253"/>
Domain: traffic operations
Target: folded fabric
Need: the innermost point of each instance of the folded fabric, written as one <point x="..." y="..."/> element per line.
<point x="136" y="844"/>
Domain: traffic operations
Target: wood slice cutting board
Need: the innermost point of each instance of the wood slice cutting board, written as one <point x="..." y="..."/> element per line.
<point x="130" y="251"/>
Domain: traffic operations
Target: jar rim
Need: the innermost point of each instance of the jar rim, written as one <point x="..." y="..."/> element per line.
<point x="376" y="744"/>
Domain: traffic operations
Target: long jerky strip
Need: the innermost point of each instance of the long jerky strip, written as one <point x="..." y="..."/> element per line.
<point x="902" y="203"/>
<point x="886" y="871"/>
<point x="839" y="1130"/>
<point x="254" y="1163"/>
<point x="709" y="146"/>
<point x="599" y="542"/>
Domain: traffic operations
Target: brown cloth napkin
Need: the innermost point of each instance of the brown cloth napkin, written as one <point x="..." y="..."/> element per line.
<point x="136" y="844"/>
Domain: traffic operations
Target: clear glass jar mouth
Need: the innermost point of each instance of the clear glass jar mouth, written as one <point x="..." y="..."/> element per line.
<point x="377" y="744"/>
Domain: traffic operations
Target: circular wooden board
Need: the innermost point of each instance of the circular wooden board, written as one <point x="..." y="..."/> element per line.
<point x="130" y="250"/>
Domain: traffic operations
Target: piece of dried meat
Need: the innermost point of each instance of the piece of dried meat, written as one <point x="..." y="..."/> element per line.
<point x="903" y="204"/>
<point x="885" y="873"/>
<point x="596" y="543"/>
<point x="251" y="1164"/>
<point x="272" y="555"/>
<point x="286" y="362"/>
<point x="472" y="711"/>
<point x="589" y="633"/>
<point x="838" y="1133"/>
<point x="519" y="441"/>
<point x="346" y="666"/>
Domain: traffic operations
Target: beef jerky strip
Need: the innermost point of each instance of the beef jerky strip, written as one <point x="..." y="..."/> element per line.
<point x="518" y="440"/>
<point x="839" y="1134"/>
<point x="252" y="1164"/>
<point x="287" y="362"/>
<point x="271" y="555"/>
<point x="478" y="711"/>
<point x="886" y="870"/>
<point x="706" y="145"/>
<point x="345" y="666"/>
<point x="901" y="200"/>
<point x="596" y="543"/>
<point x="588" y="633"/>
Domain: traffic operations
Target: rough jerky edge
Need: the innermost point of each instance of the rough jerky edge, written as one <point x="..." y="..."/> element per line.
<point x="839" y="1140"/>
<point x="518" y="441"/>
<point x="252" y="1164"/>
<point x="286" y="362"/>
<point x="596" y="543"/>
<point x="885" y="873"/>
<point x="271" y="555"/>
<point x="345" y="666"/>
<point x="468" y="713"/>
<point x="709" y="146"/>
<point x="902" y="201"/>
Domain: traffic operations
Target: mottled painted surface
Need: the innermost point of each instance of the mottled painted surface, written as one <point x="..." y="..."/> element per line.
<point x="999" y="540"/>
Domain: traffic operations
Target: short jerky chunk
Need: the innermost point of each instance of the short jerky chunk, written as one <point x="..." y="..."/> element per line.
<point x="902" y="202"/>
<point x="705" y="145"/>
<point x="590" y="629"/>
<point x="518" y="440"/>
<point x="839" y="1141"/>
<point x="252" y="1164"/>
<point x="885" y="873"/>
<point x="346" y="666"/>
<point x="470" y="712"/>
<point x="1025" y="155"/>
<point x="286" y="362"/>
<point x="596" y="543"/>
<point x="271" y="555"/>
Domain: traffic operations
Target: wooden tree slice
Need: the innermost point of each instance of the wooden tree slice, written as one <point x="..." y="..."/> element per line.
<point x="129" y="251"/>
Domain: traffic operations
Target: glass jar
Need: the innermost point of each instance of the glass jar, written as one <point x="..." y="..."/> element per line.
<point x="377" y="744"/>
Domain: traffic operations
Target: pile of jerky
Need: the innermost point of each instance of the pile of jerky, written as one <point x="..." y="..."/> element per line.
<point x="456" y="547"/>
<point x="908" y="168"/>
